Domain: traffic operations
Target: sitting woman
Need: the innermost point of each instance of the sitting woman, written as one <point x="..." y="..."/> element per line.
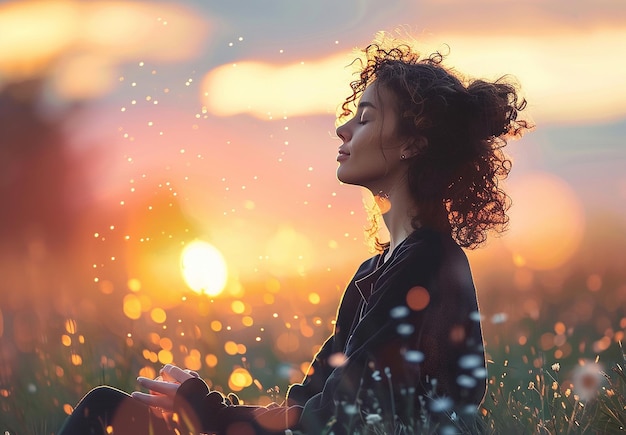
<point x="407" y="348"/>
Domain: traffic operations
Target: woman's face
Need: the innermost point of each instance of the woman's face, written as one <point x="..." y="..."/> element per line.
<point x="370" y="155"/>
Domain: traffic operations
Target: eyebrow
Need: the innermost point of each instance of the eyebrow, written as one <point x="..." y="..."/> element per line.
<point x="364" y="104"/>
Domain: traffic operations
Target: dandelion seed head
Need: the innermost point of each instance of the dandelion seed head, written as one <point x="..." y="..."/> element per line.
<point x="373" y="419"/>
<point x="350" y="409"/>
<point x="441" y="404"/>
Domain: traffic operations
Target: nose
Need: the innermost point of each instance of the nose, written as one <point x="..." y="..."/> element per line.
<point x="343" y="132"/>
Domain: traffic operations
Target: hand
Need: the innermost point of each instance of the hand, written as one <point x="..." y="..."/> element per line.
<point x="163" y="389"/>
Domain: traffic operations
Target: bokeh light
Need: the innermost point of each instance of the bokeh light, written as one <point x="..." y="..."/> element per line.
<point x="204" y="268"/>
<point x="547" y="221"/>
<point x="135" y="132"/>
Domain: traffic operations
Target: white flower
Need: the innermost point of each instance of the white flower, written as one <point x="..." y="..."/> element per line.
<point x="587" y="380"/>
<point x="556" y="367"/>
<point x="441" y="404"/>
<point x="373" y="418"/>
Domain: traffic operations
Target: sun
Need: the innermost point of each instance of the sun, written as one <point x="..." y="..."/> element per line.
<point x="204" y="268"/>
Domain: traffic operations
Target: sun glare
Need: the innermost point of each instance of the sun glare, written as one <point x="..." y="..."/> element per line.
<point x="204" y="268"/>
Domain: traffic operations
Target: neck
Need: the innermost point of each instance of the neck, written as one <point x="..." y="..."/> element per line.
<point x="398" y="217"/>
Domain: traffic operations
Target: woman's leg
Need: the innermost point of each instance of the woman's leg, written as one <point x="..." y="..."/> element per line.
<point x="106" y="408"/>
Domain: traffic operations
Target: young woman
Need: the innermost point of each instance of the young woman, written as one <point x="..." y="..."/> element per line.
<point x="407" y="349"/>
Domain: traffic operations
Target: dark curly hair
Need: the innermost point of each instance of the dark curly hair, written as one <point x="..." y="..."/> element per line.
<point x="454" y="179"/>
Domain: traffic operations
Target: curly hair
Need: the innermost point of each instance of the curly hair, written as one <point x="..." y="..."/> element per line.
<point x="453" y="179"/>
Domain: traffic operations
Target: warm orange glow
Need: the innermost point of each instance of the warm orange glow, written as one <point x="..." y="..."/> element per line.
<point x="289" y="252"/>
<point x="106" y="287"/>
<point x="134" y="285"/>
<point x="238" y="307"/>
<point x="158" y="315"/>
<point x="70" y="326"/>
<point x="247" y="321"/>
<point x="314" y="298"/>
<point x="216" y="325"/>
<point x="231" y="348"/>
<point x="147" y="372"/>
<point x="547" y="221"/>
<point x="210" y="360"/>
<point x="92" y="38"/>
<point x="204" y="268"/>
<point x="239" y="379"/>
<point x="67" y="408"/>
<point x="193" y="361"/>
<point x="273" y="285"/>
<point x="559" y="328"/>
<point x="76" y="359"/>
<point x="165" y="357"/>
<point x="166" y="343"/>
<point x="132" y="307"/>
<point x="66" y="340"/>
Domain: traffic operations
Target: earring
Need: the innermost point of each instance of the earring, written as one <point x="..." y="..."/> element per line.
<point x="402" y="157"/>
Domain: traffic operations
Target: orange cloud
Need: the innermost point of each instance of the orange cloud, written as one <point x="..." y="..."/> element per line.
<point x="81" y="43"/>
<point x="561" y="76"/>
<point x="267" y="90"/>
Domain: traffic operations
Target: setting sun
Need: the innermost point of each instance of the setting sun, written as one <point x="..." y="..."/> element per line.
<point x="203" y="268"/>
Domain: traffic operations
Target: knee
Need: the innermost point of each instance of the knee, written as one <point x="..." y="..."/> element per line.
<point x="103" y="394"/>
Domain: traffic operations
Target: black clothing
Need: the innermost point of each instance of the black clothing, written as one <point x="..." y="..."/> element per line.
<point x="407" y="341"/>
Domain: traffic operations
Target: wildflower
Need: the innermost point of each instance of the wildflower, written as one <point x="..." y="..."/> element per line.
<point x="556" y="367"/>
<point x="531" y="385"/>
<point x="587" y="380"/>
<point x="350" y="409"/>
<point x="441" y="404"/>
<point x="373" y="419"/>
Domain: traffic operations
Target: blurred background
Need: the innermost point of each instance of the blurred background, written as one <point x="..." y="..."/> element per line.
<point x="168" y="190"/>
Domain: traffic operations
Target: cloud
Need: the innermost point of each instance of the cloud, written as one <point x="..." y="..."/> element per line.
<point x="561" y="76"/>
<point x="81" y="43"/>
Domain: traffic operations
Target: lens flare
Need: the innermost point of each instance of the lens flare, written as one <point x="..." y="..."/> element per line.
<point x="204" y="268"/>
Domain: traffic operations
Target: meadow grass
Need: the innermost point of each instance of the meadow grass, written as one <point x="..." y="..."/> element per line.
<point x="549" y="399"/>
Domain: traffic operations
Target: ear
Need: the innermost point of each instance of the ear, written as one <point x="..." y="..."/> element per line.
<point x="413" y="146"/>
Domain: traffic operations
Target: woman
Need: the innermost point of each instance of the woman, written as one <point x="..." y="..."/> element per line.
<point x="407" y="353"/>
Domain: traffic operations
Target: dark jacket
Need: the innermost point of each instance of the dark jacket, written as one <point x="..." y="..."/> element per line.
<point x="407" y="343"/>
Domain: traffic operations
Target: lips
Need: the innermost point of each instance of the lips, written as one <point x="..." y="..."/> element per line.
<point x="343" y="155"/>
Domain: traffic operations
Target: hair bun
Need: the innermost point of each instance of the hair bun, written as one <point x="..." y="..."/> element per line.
<point x="495" y="108"/>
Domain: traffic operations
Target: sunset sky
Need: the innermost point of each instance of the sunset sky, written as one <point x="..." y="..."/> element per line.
<point x="228" y="108"/>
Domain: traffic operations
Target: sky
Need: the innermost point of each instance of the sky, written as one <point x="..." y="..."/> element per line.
<point x="230" y="106"/>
